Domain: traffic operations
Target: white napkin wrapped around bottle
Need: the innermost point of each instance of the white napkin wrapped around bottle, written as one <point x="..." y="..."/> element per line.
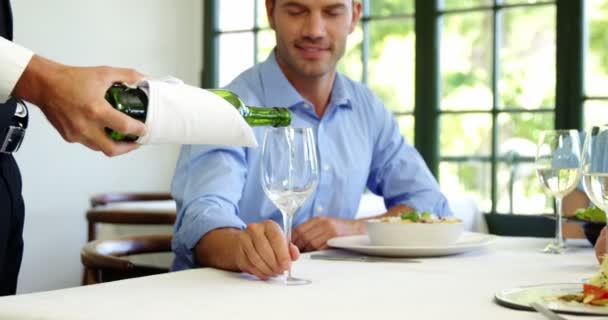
<point x="182" y="114"/>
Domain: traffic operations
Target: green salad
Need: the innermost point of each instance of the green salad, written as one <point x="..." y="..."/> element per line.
<point x="593" y="214"/>
<point x="419" y="217"/>
<point x="415" y="216"/>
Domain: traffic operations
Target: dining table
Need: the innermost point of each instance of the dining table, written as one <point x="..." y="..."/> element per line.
<point x="461" y="286"/>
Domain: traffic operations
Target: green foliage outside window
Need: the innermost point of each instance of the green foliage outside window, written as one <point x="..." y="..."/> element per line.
<point x="525" y="77"/>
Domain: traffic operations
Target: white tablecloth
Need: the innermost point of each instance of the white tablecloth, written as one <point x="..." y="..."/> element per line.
<point x="456" y="287"/>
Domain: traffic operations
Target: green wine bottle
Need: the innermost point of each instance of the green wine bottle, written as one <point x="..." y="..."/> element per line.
<point x="134" y="102"/>
<point x="256" y="116"/>
<point x="131" y="101"/>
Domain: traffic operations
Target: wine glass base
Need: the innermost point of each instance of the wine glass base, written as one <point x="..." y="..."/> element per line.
<point x="291" y="281"/>
<point x="554" y="247"/>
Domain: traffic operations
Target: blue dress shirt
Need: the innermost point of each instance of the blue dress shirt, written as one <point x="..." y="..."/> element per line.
<point x="359" y="145"/>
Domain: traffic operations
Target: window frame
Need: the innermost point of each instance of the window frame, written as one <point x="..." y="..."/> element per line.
<point x="569" y="98"/>
<point x="428" y="14"/>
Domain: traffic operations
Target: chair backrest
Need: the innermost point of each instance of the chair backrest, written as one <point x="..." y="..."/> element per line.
<point x="127" y="209"/>
<point x="113" y="197"/>
<point x="131" y="209"/>
<point x="103" y="263"/>
<point x="123" y="216"/>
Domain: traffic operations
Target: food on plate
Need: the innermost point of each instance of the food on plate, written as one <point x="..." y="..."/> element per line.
<point x="595" y="291"/>
<point x="591" y="214"/>
<point x="414" y="229"/>
<point x="415" y="217"/>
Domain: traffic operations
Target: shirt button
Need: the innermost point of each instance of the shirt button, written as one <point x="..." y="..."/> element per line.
<point x="326" y="167"/>
<point x="319" y="209"/>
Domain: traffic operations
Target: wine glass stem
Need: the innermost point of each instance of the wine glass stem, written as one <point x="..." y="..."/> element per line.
<point x="288" y="219"/>
<point x="559" y="239"/>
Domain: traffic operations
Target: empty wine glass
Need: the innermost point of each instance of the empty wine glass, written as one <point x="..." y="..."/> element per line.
<point x="595" y="166"/>
<point x="558" y="163"/>
<point x="289" y="173"/>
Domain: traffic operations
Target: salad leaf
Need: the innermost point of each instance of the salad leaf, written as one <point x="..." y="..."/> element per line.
<point x="420" y="217"/>
<point x="593" y="214"/>
<point x="412" y="216"/>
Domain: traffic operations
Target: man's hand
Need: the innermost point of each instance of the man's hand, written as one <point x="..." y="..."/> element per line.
<point x="72" y="98"/>
<point x="314" y="233"/>
<point x="263" y="250"/>
<point x="600" y="245"/>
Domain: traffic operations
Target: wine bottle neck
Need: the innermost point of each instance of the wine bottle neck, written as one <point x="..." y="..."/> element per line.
<point x="260" y="116"/>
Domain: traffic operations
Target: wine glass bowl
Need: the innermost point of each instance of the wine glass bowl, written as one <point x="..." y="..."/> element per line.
<point x="289" y="173"/>
<point x="558" y="167"/>
<point x="595" y="166"/>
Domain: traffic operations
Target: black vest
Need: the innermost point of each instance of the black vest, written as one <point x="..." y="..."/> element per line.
<point x="6" y="31"/>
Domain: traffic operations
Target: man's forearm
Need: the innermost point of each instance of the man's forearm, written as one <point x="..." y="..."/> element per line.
<point x="218" y="249"/>
<point x="573" y="201"/>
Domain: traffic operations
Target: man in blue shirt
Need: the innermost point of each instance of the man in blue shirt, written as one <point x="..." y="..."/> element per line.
<point x="225" y="220"/>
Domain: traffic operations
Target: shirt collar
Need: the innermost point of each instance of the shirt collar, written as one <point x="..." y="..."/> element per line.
<point x="339" y="94"/>
<point x="277" y="88"/>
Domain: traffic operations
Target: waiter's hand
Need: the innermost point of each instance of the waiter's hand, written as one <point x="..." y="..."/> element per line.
<point x="314" y="233"/>
<point x="72" y="98"/>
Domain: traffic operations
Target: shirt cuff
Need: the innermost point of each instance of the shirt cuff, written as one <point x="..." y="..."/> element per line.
<point x="13" y="59"/>
<point x="195" y="225"/>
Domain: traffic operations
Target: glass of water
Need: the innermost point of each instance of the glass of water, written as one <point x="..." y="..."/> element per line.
<point x="289" y="172"/>
<point x="558" y="166"/>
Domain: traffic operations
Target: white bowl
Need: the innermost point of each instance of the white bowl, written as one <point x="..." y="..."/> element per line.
<point x="413" y="234"/>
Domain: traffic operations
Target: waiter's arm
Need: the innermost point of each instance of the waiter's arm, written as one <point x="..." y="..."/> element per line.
<point x="72" y="98"/>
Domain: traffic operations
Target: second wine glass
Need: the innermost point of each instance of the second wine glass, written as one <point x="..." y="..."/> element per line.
<point x="558" y="163"/>
<point x="289" y="173"/>
<point x="595" y="167"/>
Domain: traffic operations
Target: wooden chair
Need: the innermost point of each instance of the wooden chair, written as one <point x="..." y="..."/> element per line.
<point x="103" y="263"/>
<point x="126" y="216"/>
<point x="114" y="197"/>
<point x="107" y="208"/>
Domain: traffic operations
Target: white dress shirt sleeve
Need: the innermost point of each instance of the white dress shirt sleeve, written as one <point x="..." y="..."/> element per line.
<point x="13" y="60"/>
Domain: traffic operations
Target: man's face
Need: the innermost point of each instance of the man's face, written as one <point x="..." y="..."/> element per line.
<point x="311" y="34"/>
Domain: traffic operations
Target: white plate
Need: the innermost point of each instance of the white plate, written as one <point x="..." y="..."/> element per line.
<point x="546" y="294"/>
<point x="468" y="241"/>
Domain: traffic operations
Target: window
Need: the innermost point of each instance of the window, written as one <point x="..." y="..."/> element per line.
<point x="497" y="75"/>
<point x="385" y="47"/>
<point x="479" y="78"/>
<point x="596" y="64"/>
<point x="375" y="53"/>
